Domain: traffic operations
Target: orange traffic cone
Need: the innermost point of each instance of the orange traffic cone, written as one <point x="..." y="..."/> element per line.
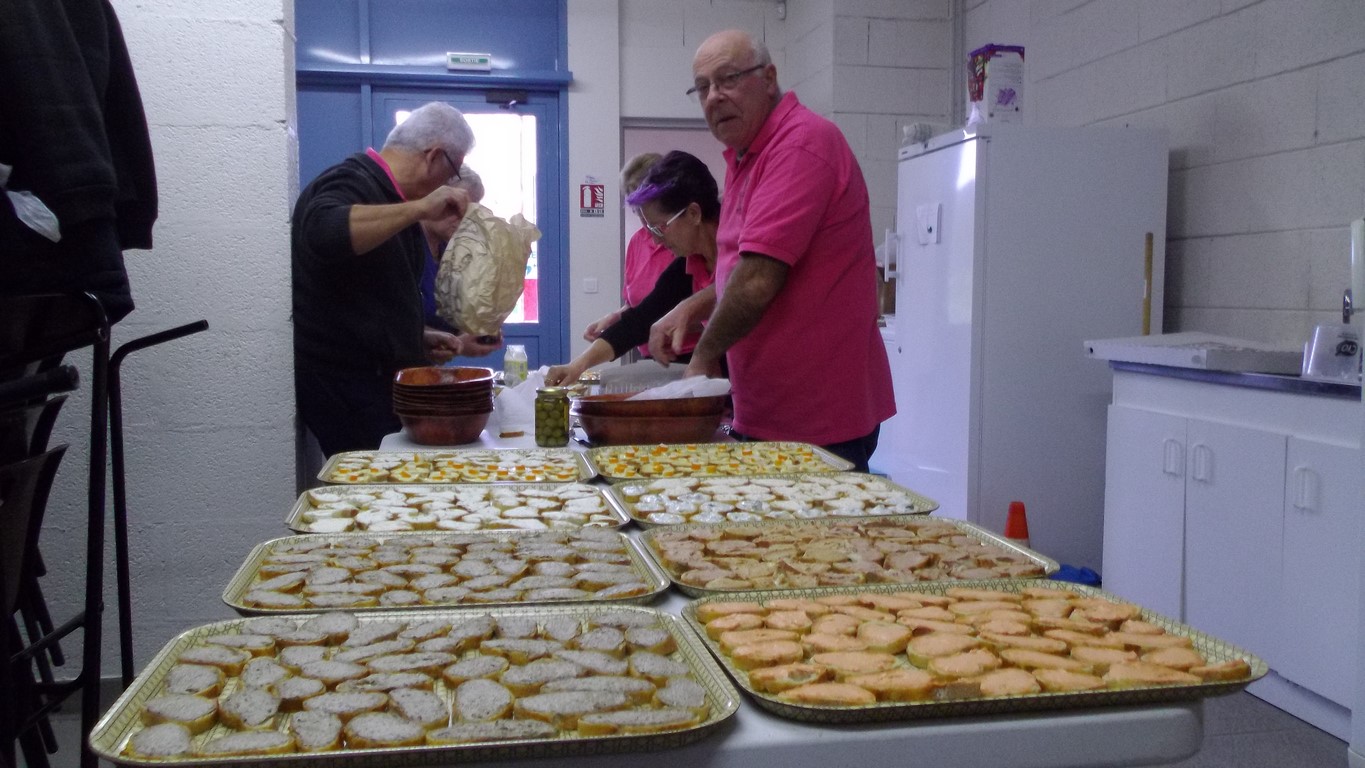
<point x="1016" y="524"/>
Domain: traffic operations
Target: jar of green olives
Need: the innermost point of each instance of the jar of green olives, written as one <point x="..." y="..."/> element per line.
<point x="552" y="417"/>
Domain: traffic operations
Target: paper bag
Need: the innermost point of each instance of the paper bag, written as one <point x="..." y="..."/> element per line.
<point x="483" y="270"/>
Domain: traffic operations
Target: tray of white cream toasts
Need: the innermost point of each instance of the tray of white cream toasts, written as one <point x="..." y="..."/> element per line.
<point x="442" y="570"/>
<point x="757" y="498"/>
<point x="419" y="688"/>
<point x="460" y="465"/>
<point x="629" y="462"/>
<point x="734" y="557"/>
<point x="463" y="507"/>
<point x="941" y="649"/>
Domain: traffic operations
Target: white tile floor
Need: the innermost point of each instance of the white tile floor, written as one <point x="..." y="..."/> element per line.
<point x="1240" y="731"/>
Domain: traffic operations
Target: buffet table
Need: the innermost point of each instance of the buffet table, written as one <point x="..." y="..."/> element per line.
<point x="1140" y="735"/>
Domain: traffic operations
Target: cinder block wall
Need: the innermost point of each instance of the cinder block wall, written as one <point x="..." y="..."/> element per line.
<point x="208" y="419"/>
<point x="1264" y="101"/>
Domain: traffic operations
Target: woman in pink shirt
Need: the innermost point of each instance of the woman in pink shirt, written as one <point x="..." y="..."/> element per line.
<point x="646" y="257"/>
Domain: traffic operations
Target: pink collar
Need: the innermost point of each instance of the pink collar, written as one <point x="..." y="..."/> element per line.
<point x="378" y="158"/>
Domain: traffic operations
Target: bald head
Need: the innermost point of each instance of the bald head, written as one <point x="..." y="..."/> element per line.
<point x="734" y="77"/>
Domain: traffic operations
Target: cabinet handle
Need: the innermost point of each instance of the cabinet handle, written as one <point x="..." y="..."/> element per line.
<point x="1306" y="489"/>
<point x="1202" y="470"/>
<point x="1172" y="457"/>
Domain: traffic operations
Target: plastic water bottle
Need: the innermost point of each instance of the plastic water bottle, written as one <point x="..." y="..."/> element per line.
<point x="514" y="365"/>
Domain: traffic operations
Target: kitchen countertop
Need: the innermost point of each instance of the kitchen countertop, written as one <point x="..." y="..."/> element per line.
<point x="1268" y="381"/>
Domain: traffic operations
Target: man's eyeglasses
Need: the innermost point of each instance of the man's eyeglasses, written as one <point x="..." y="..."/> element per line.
<point x="659" y="230"/>
<point x="702" y="88"/>
<point x="454" y="169"/>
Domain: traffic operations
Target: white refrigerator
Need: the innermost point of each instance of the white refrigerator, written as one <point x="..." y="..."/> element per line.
<point x="1013" y="246"/>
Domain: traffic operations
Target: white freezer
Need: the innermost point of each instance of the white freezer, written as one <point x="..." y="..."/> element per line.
<point x="1013" y="247"/>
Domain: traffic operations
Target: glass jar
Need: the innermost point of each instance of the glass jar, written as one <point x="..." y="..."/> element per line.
<point x="514" y="365"/>
<point x="552" y="417"/>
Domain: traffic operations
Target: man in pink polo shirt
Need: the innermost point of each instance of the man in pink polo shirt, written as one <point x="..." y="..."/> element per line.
<point x="794" y="305"/>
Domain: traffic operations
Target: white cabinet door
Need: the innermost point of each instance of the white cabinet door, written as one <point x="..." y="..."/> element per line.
<point x="1322" y="545"/>
<point x="1234" y="499"/>
<point x="1144" y="508"/>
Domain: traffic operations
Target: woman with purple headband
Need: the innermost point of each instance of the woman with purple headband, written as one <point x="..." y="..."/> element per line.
<point x="679" y="206"/>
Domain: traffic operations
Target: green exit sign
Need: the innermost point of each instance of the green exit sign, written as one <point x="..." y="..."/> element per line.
<point x="476" y="62"/>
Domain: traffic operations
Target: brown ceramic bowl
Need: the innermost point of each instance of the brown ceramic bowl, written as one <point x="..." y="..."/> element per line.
<point x="617" y="405"/>
<point x="445" y="430"/>
<point x="629" y="430"/>
<point x="455" y="377"/>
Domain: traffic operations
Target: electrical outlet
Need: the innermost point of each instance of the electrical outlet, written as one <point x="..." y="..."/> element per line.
<point x="590" y="285"/>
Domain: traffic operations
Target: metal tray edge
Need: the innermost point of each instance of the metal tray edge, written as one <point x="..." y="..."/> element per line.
<point x="586" y="471"/>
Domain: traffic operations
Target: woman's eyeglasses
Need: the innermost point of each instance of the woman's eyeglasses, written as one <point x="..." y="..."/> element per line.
<point x="659" y="230"/>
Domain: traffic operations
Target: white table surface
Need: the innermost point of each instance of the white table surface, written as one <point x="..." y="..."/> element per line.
<point x="1112" y="736"/>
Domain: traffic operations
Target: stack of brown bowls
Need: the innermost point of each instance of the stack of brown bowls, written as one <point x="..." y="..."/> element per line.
<point x="614" y="419"/>
<point x="443" y="406"/>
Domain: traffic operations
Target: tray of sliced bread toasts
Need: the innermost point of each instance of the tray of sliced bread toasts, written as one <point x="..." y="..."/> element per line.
<point x="461" y="508"/>
<point x="668" y="501"/>
<point x="442" y="570"/>
<point x="458" y="465"/>
<point x="947" y="649"/>
<point x="419" y="688"/>
<point x="734" y="557"/>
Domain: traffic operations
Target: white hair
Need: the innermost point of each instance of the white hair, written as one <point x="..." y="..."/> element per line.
<point x="470" y="182"/>
<point x="434" y="124"/>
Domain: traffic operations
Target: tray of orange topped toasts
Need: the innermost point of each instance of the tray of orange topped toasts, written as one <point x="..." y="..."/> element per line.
<point x="947" y="649"/>
<point x="458" y="465"/>
<point x="629" y="462"/>
<point x="428" y="687"/>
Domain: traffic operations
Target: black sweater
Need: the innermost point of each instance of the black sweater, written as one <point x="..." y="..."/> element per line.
<point x="360" y="312"/>
<point x="632" y="330"/>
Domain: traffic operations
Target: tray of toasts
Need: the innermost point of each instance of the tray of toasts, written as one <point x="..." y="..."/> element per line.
<point x="463" y="508"/>
<point x="734" y="557"/>
<point x="945" y="649"/>
<point x="359" y="572"/>
<point x="630" y="462"/>
<point x="757" y="498"/>
<point x="432" y="687"/>
<point x="461" y="465"/>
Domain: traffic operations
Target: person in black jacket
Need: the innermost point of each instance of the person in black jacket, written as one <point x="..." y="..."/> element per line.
<point x="74" y="134"/>
<point x="678" y="205"/>
<point x="357" y="250"/>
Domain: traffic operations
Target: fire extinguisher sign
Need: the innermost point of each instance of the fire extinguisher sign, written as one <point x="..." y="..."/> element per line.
<point x="592" y="200"/>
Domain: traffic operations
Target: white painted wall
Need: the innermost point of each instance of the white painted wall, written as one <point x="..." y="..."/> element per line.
<point x="1264" y="101"/>
<point x="208" y="419"/>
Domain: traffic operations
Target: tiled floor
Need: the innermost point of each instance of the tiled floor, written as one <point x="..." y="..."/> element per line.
<point x="1240" y="731"/>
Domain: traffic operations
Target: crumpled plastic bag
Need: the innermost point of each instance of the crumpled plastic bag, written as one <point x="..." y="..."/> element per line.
<point x="29" y="209"/>
<point x="483" y="270"/>
<point x="692" y="386"/>
<point x="514" y="409"/>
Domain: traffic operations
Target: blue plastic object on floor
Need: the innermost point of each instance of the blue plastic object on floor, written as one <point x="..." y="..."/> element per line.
<point x="1076" y="575"/>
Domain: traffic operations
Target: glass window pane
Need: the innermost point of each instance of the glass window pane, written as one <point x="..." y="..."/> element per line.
<point x="504" y="155"/>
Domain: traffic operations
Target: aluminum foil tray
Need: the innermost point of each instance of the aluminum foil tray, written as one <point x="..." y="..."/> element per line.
<point x="459" y="465"/>
<point x="463" y="508"/>
<point x="630" y="462"/>
<point x="112" y="734"/>
<point x="957" y="699"/>
<point x="756" y="498"/>
<point x="623" y="573"/>
<point x="968" y="552"/>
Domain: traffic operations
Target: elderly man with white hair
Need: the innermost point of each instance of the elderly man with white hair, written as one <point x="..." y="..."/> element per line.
<point x="357" y="250"/>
